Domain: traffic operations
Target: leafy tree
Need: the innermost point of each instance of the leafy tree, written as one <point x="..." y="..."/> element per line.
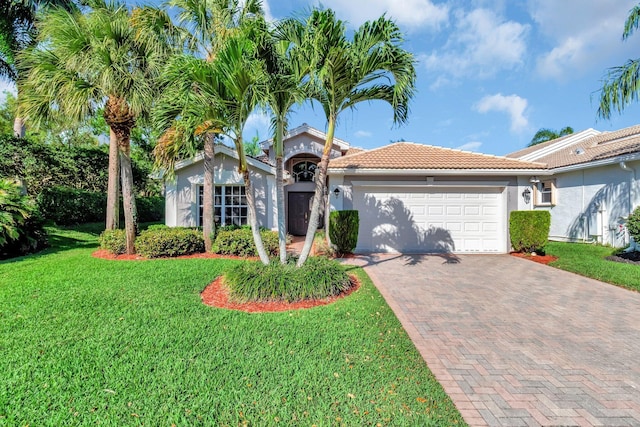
<point x="544" y="135"/>
<point x="621" y="86"/>
<point x="99" y="58"/>
<point x="371" y="66"/>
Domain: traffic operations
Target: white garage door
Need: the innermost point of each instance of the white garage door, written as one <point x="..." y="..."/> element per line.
<point x="423" y="220"/>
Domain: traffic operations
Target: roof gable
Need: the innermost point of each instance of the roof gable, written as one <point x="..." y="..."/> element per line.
<point x="305" y="128"/>
<point x="229" y="152"/>
<point x="409" y="155"/>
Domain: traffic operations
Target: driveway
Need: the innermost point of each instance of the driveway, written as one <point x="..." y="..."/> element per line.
<point x="515" y="343"/>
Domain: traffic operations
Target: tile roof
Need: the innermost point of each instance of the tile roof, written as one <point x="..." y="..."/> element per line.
<point x="354" y="150"/>
<point x="603" y="146"/>
<point x="409" y="155"/>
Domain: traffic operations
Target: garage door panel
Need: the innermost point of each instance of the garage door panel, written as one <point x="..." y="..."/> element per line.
<point x="430" y="220"/>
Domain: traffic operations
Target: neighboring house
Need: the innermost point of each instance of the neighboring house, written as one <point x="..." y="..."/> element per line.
<point x="411" y="197"/>
<point x="594" y="184"/>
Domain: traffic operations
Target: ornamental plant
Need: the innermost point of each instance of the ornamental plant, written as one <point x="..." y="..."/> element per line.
<point x="633" y="224"/>
<point x="21" y="227"/>
<point x="529" y="230"/>
<point x="343" y="230"/>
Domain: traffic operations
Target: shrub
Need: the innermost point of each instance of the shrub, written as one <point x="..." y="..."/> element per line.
<point x="343" y="230"/>
<point x="150" y="209"/>
<point x="115" y="241"/>
<point x="318" y="278"/>
<point x="320" y="245"/>
<point x="633" y="225"/>
<point x="21" y="226"/>
<point x="176" y="241"/>
<point x="529" y="230"/>
<point x="70" y="206"/>
<point x="233" y="240"/>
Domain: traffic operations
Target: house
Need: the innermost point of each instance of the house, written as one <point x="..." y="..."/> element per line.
<point x="592" y="186"/>
<point x="412" y="198"/>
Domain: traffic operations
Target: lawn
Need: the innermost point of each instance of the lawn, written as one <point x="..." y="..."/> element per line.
<point x="91" y="341"/>
<point x="589" y="260"/>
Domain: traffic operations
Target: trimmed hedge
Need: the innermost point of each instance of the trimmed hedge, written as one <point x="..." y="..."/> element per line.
<point x="343" y="230"/>
<point x="318" y="278"/>
<point x="529" y="230"/>
<point x="239" y="241"/>
<point x="633" y="225"/>
<point x="70" y="206"/>
<point x="115" y="241"/>
<point x="169" y="242"/>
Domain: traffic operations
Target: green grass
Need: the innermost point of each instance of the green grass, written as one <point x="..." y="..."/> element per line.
<point x="86" y="341"/>
<point x="589" y="260"/>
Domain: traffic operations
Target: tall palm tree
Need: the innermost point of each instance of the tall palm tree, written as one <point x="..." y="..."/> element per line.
<point x="621" y="86"/>
<point x="544" y="135"/>
<point x="371" y="66"/>
<point x="91" y="60"/>
<point x="217" y="96"/>
<point x="17" y="32"/>
<point x="209" y="24"/>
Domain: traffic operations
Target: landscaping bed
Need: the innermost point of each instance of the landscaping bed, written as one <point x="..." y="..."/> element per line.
<point x="626" y="257"/>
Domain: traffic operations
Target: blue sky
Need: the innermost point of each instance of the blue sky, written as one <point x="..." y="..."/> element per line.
<point x="490" y="72"/>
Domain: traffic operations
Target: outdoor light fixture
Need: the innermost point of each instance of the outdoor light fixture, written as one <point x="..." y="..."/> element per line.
<point x="534" y="180"/>
<point x="526" y="195"/>
<point x="336" y="192"/>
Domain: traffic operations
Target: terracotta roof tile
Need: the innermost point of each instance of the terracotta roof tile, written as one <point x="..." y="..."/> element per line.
<point x="409" y="155"/>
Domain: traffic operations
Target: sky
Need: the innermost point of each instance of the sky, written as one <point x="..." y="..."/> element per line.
<point x="490" y="73"/>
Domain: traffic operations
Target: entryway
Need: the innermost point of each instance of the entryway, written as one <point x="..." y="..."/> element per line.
<point x="299" y="212"/>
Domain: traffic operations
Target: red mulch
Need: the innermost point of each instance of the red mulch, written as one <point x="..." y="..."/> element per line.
<point x="542" y="259"/>
<point x="217" y="295"/>
<point x="105" y="254"/>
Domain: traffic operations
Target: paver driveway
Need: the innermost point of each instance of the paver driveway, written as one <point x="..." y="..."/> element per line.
<point x="518" y="343"/>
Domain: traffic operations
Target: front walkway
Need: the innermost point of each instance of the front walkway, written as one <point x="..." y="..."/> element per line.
<point x="515" y="343"/>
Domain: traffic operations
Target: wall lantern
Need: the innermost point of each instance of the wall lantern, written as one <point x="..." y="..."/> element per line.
<point x="526" y="195"/>
<point x="336" y="192"/>
<point x="534" y="180"/>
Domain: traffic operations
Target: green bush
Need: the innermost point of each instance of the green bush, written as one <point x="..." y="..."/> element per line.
<point x="115" y="241"/>
<point x="318" y="278"/>
<point x="21" y="226"/>
<point x="150" y="209"/>
<point x="529" y="230"/>
<point x="70" y="206"/>
<point x="343" y="230"/>
<point x="169" y="242"/>
<point x="633" y="225"/>
<point x="233" y="240"/>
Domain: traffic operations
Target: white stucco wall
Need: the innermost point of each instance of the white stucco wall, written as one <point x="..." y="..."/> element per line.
<point x="304" y="144"/>
<point x="590" y="204"/>
<point x="181" y="203"/>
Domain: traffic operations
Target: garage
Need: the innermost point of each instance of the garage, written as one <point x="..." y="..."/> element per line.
<point x="428" y="219"/>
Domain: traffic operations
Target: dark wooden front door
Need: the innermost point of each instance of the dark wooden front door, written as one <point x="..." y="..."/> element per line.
<point x="299" y="213"/>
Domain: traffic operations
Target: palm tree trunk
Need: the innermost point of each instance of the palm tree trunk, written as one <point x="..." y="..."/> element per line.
<point x="19" y="127"/>
<point x="128" y="198"/>
<point x="318" y="195"/>
<point x="208" y="223"/>
<point x="112" y="184"/>
<point x="282" y="233"/>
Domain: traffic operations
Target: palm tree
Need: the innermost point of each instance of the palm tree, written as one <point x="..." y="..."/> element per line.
<point x="86" y="61"/>
<point x="216" y="96"/>
<point x="372" y="66"/>
<point x="544" y="135"/>
<point x="17" y="32"/>
<point x="208" y="24"/>
<point x="622" y="84"/>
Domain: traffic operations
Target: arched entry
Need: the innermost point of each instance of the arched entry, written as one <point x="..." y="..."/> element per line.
<point x="302" y="169"/>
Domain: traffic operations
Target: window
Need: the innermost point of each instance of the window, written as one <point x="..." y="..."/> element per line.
<point x="304" y="171"/>
<point x="545" y="193"/>
<point x="229" y="205"/>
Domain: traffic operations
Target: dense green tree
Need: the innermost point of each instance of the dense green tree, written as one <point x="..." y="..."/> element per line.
<point x="370" y="66"/>
<point x="621" y="86"/>
<point x="96" y="59"/>
<point x="544" y="135"/>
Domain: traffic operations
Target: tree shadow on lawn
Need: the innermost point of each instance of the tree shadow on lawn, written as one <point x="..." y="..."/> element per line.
<point x="57" y="243"/>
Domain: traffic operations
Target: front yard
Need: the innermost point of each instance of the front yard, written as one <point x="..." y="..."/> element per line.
<point x="90" y="341"/>
<point x="589" y="260"/>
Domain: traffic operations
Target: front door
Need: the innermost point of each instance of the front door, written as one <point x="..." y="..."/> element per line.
<point x="299" y="213"/>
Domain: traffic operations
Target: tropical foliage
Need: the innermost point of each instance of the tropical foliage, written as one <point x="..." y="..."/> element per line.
<point x="544" y="135"/>
<point x="621" y="85"/>
<point x="21" y="230"/>
<point x="633" y="224"/>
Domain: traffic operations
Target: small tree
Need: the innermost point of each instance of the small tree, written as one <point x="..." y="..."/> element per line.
<point x="343" y="230"/>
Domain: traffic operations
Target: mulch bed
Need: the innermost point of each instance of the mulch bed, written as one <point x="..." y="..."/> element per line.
<point x="217" y="295"/>
<point x="626" y="257"/>
<point x="541" y="259"/>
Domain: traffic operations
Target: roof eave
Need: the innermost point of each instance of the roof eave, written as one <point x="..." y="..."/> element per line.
<point x="437" y="172"/>
<point x="221" y="149"/>
<point x="630" y="157"/>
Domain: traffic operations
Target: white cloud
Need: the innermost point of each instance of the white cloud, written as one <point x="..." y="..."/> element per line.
<point x="257" y="122"/>
<point x="470" y="146"/>
<point x="6" y="86"/>
<point x="363" y="134"/>
<point x="513" y="105"/>
<point x="481" y="44"/>
<point x="416" y="14"/>
<point x="267" y="11"/>
<point x="584" y="35"/>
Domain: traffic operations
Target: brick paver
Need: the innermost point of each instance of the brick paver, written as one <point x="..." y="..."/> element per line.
<point x="515" y="343"/>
